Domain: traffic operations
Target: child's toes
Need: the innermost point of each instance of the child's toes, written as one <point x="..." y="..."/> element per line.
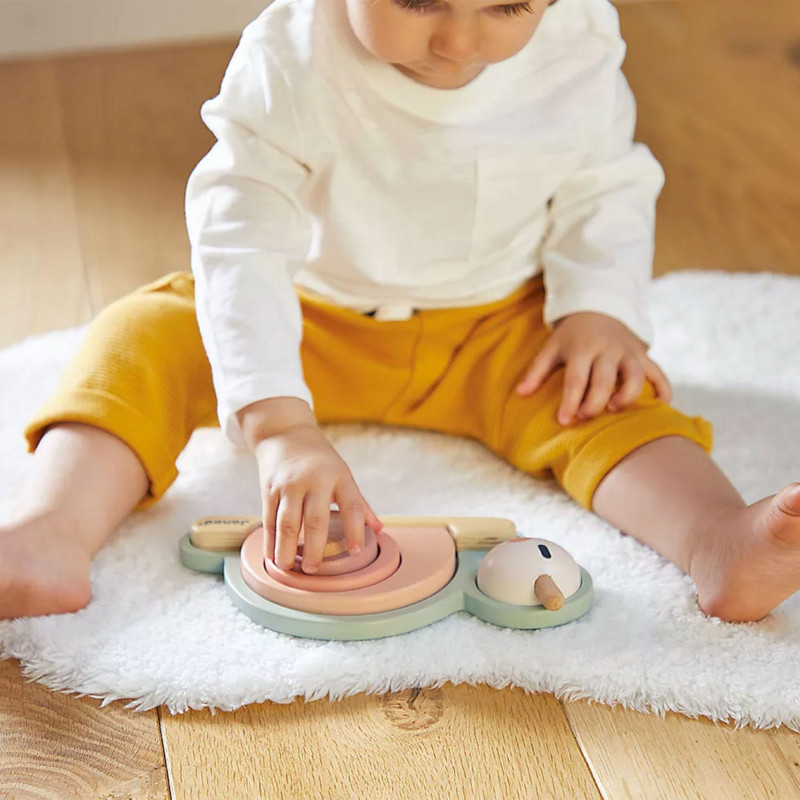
<point x="789" y="499"/>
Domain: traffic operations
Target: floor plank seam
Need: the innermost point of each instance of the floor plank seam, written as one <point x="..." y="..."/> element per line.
<point x="584" y="753"/>
<point x="165" y="754"/>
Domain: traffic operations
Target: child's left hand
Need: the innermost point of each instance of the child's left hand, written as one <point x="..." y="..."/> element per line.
<point x="606" y="366"/>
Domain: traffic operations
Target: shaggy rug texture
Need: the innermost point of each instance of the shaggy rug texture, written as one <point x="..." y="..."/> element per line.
<point x="156" y="633"/>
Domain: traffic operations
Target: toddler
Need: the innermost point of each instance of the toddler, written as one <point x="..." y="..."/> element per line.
<point x="424" y="213"/>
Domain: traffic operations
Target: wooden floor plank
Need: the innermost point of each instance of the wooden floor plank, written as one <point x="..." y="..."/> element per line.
<point x="133" y="132"/>
<point x="717" y="86"/>
<point x="451" y="743"/>
<point x="634" y="755"/>
<point x="787" y="743"/>
<point x="40" y="255"/>
<point x="54" y="746"/>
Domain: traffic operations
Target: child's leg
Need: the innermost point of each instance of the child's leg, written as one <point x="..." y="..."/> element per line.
<point x="105" y="442"/>
<point x="645" y="470"/>
<point x="84" y="483"/>
<point x="670" y="495"/>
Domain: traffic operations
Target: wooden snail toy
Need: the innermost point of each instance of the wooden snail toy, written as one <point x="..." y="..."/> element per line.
<point x="416" y="571"/>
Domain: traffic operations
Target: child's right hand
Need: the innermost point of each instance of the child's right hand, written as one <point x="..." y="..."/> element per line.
<point x="301" y="474"/>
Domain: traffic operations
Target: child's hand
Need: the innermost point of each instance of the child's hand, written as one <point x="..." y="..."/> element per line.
<point x="301" y="475"/>
<point x="598" y="351"/>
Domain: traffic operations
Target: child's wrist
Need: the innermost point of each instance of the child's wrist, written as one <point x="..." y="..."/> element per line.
<point x="266" y="418"/>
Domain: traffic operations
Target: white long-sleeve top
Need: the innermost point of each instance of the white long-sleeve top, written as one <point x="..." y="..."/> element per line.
<point x="334" y="171"/>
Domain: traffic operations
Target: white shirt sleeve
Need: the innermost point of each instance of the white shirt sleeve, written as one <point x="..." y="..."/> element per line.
<point x="598" y="254"/>
<point x="249" y="232"/>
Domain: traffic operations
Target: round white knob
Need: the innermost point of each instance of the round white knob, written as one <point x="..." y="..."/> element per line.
<point x="510" y="573"/>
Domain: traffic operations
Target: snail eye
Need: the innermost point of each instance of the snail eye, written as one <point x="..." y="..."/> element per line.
<point x="544" y="551"/>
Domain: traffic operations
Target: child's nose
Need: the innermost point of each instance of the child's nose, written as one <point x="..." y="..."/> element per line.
<point x="457" y="40"/>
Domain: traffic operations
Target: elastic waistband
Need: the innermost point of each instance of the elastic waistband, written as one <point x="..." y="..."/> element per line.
<point x="531" y="287"/>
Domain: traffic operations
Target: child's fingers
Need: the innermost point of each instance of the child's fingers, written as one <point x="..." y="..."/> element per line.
<point x="541" y="366"/>
<point x="602" y="383"/>
<point x="371" y="518"/>
<point x="659" y="380"/>
<point x="287" y="528"/>
<point x="316" y="523"/>
<point x="352" y="508"/>
<point x="268" y="520"/>
<point x="633" y="375"/>
<point x="575" y="381"/>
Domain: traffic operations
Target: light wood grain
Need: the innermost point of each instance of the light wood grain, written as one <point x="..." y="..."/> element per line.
<point x="54" y="746"/>
<point x="787" y="743"/>
<point x="41" y="266"/>
<point x="454" y="742"/>
<point x="634" y="756"/>
<point x="133" y="132"/>
<point x="718" y="88"/>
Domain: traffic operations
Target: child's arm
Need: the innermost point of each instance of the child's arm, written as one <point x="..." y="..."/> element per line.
<point x="598" y="254"/>
<point x="597" y="263"/>
<point x="249" y="232"/>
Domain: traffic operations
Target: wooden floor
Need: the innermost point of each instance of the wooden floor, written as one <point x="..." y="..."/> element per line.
<point x="94" y="155"/>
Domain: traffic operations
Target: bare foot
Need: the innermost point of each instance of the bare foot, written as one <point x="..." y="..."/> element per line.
<point x="750" y="562"/>
<point x="42" y="570"/>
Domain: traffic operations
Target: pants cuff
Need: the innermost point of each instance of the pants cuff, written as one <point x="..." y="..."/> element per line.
<point x="109" y="414"/>
<point x="600" y="454"/>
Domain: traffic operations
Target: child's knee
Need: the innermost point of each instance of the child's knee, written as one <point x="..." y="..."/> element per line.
<point x="154" y="321"/>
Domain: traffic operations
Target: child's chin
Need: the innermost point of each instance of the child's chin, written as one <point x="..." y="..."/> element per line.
<point x="440" y="78"/>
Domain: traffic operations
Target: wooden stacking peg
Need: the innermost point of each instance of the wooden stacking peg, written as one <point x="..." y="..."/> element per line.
<point x="469" y="533"/>
<point x="222" y="533"/>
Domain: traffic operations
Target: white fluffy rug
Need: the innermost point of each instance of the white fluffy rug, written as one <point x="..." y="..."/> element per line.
<point x="159" y="634"/>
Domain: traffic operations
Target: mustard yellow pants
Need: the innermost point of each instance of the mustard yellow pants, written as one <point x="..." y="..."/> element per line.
<point x="143" y="375"/>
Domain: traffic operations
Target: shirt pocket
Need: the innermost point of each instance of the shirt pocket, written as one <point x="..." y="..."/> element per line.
<point x="512" y="196"/>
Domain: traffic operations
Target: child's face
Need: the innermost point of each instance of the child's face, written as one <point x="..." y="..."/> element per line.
<point x="443" y="44"/>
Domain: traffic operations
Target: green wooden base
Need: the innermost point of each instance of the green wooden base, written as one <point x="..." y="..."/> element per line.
<point x="460" y="594"/>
